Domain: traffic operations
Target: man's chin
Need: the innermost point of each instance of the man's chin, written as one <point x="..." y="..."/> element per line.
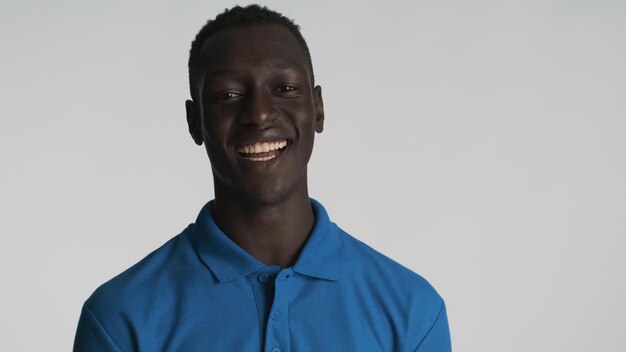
<point x="262" y="191"/>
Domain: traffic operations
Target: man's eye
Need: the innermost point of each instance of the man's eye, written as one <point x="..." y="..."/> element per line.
<point x="288" y="89"/>
<point x="229" y="95"/>
<point x="226" y="96"/>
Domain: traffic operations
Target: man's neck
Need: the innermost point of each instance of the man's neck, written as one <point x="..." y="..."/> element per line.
<point x="273" y="234"/>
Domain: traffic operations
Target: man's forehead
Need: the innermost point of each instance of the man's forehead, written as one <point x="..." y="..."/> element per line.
<point x="268" y="46"/>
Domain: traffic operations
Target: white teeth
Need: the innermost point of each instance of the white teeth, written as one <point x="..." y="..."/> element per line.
<point x="262" y="147"/>
<point x="261" y="159"/>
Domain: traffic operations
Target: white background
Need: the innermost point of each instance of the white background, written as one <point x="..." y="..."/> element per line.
<point x="481" y="144"/>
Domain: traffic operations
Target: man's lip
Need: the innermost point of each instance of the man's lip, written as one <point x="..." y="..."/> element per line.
<point x="262" y="140"/>
<point x="265" y="157"/>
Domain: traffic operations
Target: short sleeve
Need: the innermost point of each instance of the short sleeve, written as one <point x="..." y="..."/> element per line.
<point x="438" y="337"/>
<point x="91" y="336"/>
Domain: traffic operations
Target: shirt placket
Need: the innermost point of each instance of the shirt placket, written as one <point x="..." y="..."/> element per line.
<point x="277" y="330"/>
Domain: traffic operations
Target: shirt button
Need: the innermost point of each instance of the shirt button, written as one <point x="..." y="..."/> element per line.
<point x="276" y="349"/>
<point x="263" y="277"/>
<point x="275" y="315"/>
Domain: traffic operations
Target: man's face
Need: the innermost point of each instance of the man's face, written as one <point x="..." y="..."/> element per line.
<point x="257" y="112"/>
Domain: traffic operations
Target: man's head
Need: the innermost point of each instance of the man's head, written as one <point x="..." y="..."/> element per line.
<point x="254" y="105"/>
<point x="238" y="17"/>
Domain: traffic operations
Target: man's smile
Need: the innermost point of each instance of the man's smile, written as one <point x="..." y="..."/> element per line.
<point x="262" y="151"/>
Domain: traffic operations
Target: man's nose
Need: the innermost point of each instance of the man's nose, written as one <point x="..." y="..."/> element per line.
<point x="260" y="109"/>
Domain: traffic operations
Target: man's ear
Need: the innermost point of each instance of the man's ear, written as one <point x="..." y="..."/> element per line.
<point x="319" y="109"/>
<point x="194" y="122"/>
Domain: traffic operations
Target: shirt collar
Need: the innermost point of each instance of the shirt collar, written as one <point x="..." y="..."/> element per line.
<point x="320" y="257"/>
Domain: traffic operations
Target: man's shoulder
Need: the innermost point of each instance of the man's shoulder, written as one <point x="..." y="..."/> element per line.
<point x="408" y="301"/>
<point x="368" y="265"/>
<point x="133" y="286"/>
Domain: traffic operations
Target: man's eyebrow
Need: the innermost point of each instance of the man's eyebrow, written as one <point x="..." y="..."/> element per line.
<point x="221" y="72"/>
<point x="227" y="72"/>
<point x="289" y="66"/>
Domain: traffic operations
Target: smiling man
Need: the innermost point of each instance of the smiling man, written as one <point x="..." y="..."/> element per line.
<point x="263" y="268"/>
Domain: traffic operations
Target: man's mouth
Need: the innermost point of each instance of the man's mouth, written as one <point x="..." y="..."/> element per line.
<point x="262" y="151"/>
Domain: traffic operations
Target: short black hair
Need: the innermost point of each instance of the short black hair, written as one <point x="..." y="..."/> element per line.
<point x="240" y="17"/>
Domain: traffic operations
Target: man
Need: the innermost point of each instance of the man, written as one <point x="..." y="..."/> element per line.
<point x="262" y="268"/>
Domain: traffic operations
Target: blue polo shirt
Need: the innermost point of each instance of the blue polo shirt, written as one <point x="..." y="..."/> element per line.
<point x="202" y="292"/>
